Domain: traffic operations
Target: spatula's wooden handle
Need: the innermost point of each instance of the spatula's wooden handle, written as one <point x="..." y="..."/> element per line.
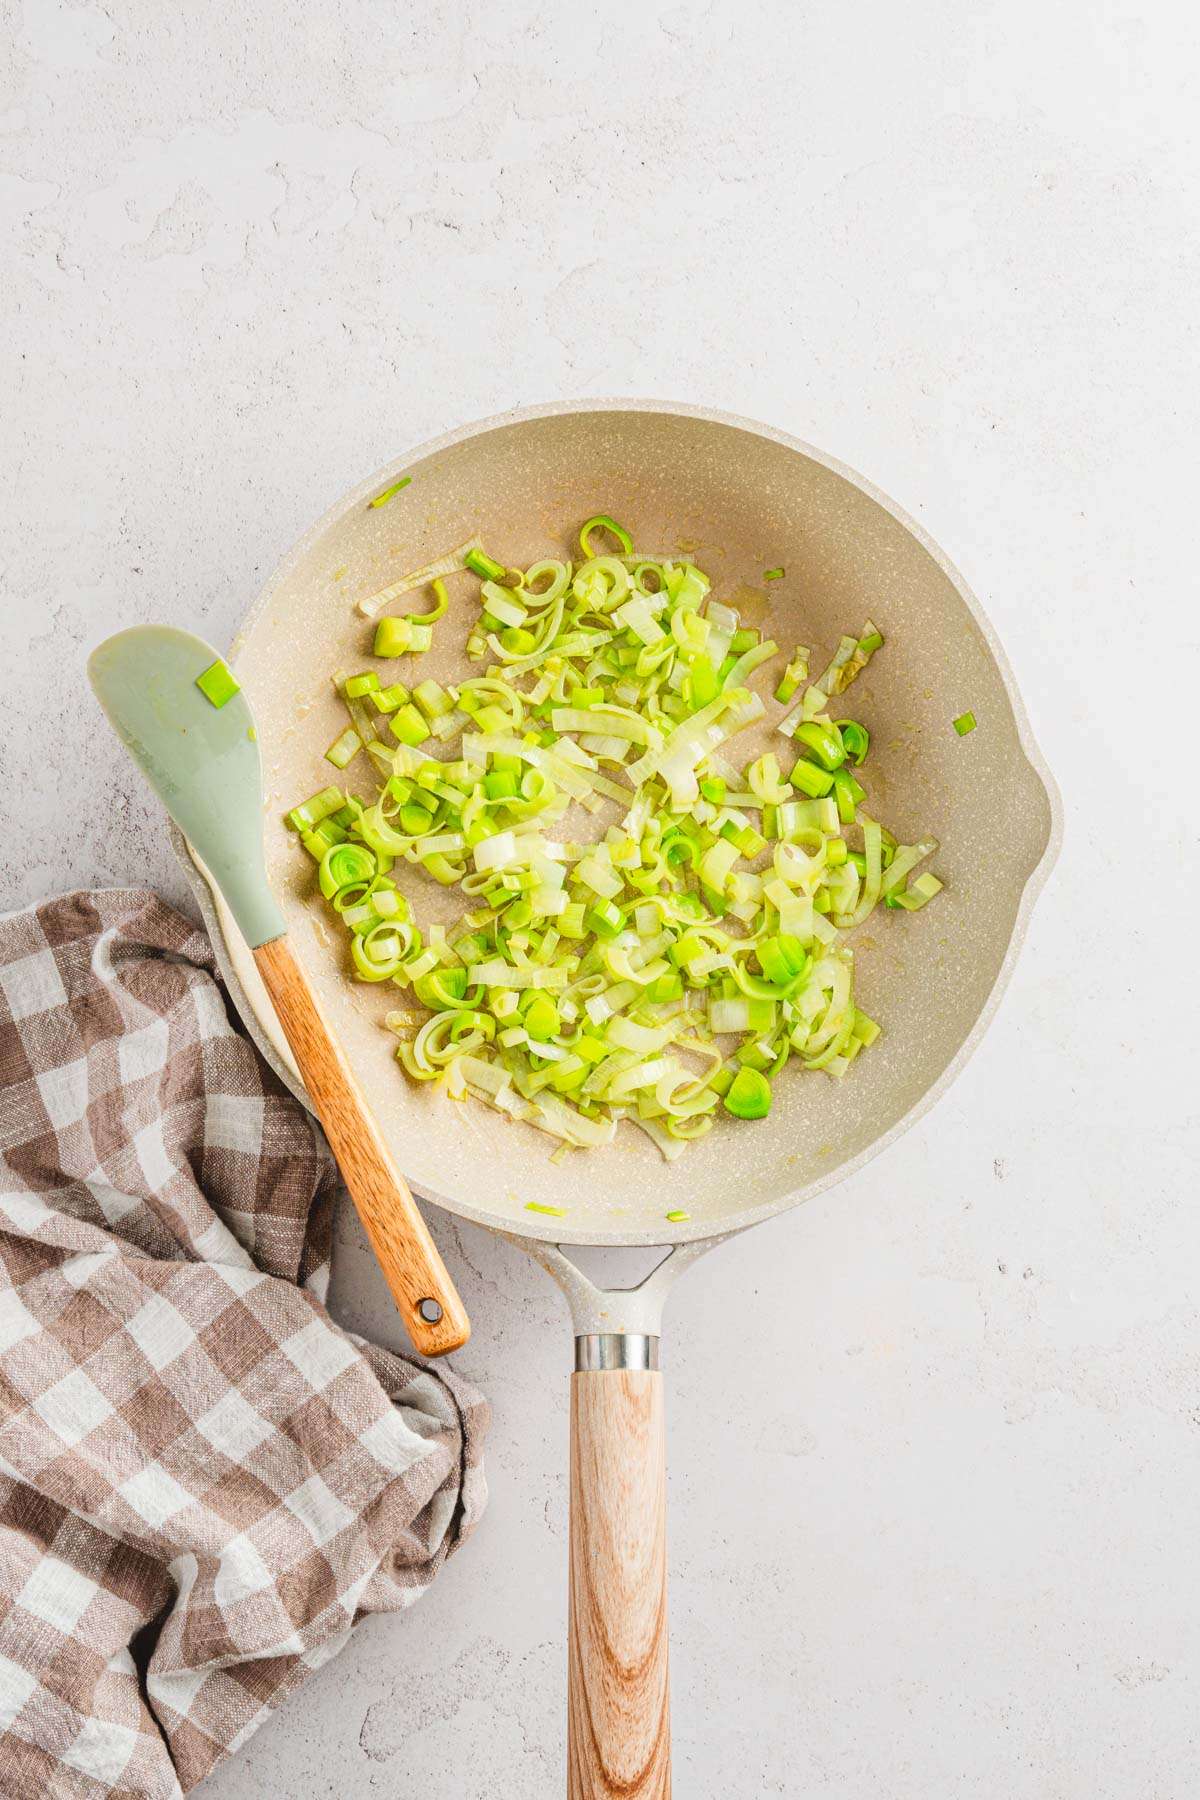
<point x="618" y="1698"/>
<point x="399" y="1235"/>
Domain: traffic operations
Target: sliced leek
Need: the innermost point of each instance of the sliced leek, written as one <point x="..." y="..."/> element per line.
<point x="660" y="954"/>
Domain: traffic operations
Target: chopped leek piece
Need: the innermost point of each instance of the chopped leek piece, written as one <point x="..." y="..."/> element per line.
<point x="964" y="723"/>
<point x="850" y="658"/>
<point x="393" y="637"/>
<point x="433" y="699"/>
<point x="322" y="838"/>
<point x="864" y="1029"/>
<point x="602" y="522"/>
<point x="408" y="726"/>
<point x="750" y="1095"/>
<point x="388" y="699"/>
<point x="822" y="742"/>
<point x="847" y="793"/>
<point x="769" y="575"/>
<point x="916" y="895"/>
<point x="441" y="601"/>
<point x="480" y="563"/>
<point x="856" y="740"/>
<point x="346" y="865"/>
<point x="793" y="675"/>
<point x="390" y="493"/>
<point x="442" y="565"/>
<point x="318" y="807"/>
<point x="811" y="780"/>
<point x="344" y="748"/>
<point x="218" y="684"/>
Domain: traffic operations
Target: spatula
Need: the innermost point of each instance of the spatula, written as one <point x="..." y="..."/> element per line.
<point x="187" y="725"/>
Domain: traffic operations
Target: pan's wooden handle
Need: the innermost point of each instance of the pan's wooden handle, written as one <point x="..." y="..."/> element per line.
<point x="618" y="1697"/>
<point x="399" y="1235"/>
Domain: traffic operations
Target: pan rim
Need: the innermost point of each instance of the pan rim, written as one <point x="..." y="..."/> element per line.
<point x="217" y="919"/>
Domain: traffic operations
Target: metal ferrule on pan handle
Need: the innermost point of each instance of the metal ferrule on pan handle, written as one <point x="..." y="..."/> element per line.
<point x="595" y="1350"/>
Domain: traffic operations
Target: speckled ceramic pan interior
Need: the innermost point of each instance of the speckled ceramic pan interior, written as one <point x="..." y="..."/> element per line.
<point x="740" y="499"/>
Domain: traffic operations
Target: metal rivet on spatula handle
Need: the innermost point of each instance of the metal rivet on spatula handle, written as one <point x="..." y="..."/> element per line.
<point x="430" y="1311"/>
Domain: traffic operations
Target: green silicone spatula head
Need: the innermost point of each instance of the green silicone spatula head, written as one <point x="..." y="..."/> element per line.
<point x="199" y="751"/>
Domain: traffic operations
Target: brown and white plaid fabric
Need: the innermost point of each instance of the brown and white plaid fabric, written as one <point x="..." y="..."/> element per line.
<point x="203" y="1481"/>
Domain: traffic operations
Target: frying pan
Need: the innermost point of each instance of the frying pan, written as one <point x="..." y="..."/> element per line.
<point x="740" y="498"/>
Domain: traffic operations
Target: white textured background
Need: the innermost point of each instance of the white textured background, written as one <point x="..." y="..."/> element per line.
<point x="935" y="1439"/>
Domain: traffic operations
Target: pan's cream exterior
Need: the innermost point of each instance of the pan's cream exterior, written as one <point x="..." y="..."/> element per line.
<point x="742" y="498"/>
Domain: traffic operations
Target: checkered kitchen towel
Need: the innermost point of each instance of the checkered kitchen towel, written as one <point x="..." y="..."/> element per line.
<point x="203" y="1481"/>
